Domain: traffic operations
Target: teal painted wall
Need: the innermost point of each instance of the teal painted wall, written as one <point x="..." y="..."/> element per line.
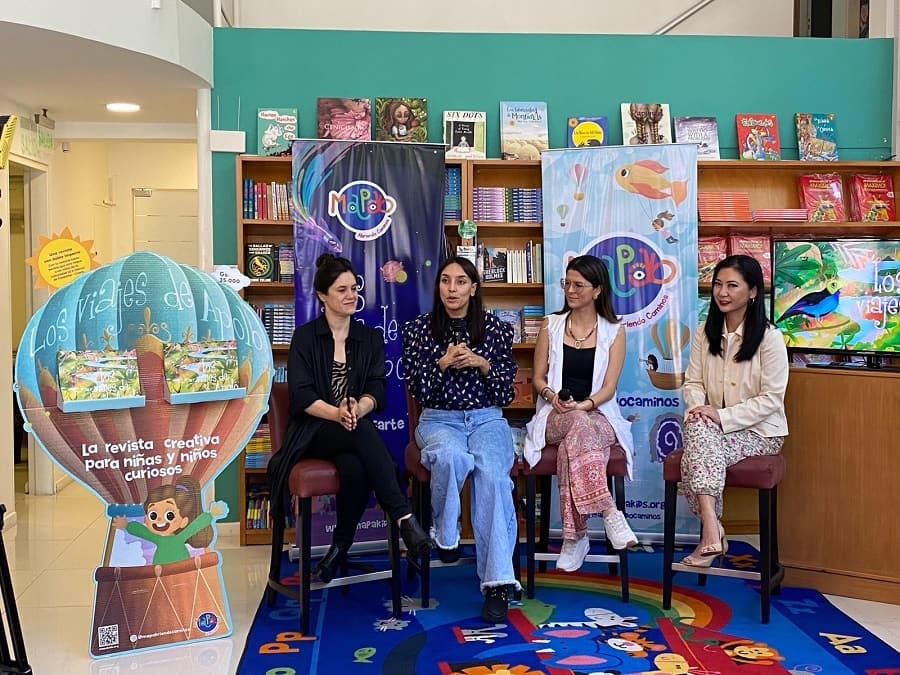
<point x="574" y="74"/>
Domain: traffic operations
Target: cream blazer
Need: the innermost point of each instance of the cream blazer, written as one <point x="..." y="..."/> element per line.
<point x="749" y="394"/>
<point x="537" y="427"/>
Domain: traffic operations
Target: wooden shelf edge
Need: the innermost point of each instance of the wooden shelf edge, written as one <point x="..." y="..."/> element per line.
<point x="259" y="536"/>
<point x="793" y="164"/>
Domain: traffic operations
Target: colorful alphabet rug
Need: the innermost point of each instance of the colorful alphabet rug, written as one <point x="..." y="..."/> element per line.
<point x="577" y="624"/>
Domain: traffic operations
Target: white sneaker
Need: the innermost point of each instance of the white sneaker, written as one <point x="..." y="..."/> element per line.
<point x="572" y="554"/>
<point x="618" y="532"/>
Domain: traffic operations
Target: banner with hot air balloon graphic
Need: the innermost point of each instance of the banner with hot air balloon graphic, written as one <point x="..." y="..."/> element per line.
<point x="635" y="208"/>
<point x="381" y="206"/>
<point x="159" y="581"/>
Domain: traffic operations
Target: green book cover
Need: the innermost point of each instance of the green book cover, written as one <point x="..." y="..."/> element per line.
<point x="275" y="129"/>
<point x="94" y="380"/>
<point x="201" y="371"/>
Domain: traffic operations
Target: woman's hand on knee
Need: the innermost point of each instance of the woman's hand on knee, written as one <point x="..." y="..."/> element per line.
<point x="703" y="413"/>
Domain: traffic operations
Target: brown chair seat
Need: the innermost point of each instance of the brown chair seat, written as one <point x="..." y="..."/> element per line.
<point x="314" y="478"/>
<point x="758" y="473"/>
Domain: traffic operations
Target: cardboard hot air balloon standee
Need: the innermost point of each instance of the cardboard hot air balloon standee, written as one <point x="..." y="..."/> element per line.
<point x="149" y="458"/>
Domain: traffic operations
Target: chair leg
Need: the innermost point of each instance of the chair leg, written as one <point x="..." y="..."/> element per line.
<point x="765" y="551"/>
<point x="394" y="553"/>
<point x="424" y="561"/>
<point x="304" y="522"/>
<point x="623" y="554"/>
<point x="613" y="567"/>
<point x="275" y="561"/>
<point x="529" y="535"/>
<point x="546" y="489"/>
<point x="777" y="571"/>
<point x="669" y="541"/>
<point x="411" y="569"/>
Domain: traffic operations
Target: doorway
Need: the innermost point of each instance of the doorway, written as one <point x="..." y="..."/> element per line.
<point x="18" y="251"/>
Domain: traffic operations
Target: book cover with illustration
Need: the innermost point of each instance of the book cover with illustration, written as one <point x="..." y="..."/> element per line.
<point x="584" y="132"/>
<point x="710" y="250"/>
<point x="646" y="123"/>
<point x="872" y="197"/>
<point x="757" y="246"/>
<point x="98" y="380"/>
<point x="523" y="129"/>
<point x="514" y="318"/>
<point x="347" y="119"/>
<point x="704" y="131"/>
<point x="822" y="195"/>
<point x="757" y="136"/>
<point x="275" y="129"/>
<point x="464" y="134"/>
<point x="201" y="371"/>
<point x="816" y="137"/>
<point x="493" y="263"/>
<point x="401" y="119"/>
<point x="260" y="261"/>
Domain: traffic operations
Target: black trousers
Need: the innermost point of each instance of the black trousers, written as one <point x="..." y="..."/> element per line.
<point x="363" y="464"/>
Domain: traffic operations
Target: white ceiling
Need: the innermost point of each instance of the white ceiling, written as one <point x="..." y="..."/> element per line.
<point x="75" y="78"/>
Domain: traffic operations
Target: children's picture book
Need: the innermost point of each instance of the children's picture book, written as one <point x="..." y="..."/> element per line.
<point x="710" y="250"/>
<point x="201" y="371"/>
<point x="464" y="134"/>
<point x="401" y="119"/>
<point x="493" y="263"/>
<point x="872" y="197"/>
<point x="523" y="129"/>
<point x="98" y="380"/>
<point x="822" y="195"/>
<point x="646" y="123"/>
<point x="756" y="246"/>
<point x="816" y="137"/>
<point x="260" y="262"/>
<point x="344" y="118"/>
<point x="704" y="131"/>
<point x="276" y="128"/>
<point x="514" y="318"/>
<point x="584" y="132"/>
<point x="757" y="136"/>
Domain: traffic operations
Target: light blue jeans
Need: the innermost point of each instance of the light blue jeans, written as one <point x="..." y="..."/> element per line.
<point x="456" y="443"/>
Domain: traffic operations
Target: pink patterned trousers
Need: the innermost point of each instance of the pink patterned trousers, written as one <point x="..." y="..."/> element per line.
<point x="584" y="440"/>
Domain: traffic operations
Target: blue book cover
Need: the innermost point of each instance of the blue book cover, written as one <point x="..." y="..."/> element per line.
<point x="816" y="137"/>
<point x="523" y="129"/>
<point x="586" y="131"/>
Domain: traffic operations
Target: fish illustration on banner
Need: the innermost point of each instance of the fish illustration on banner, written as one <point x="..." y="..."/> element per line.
<point x="635" y="208"/>
<point x="148" y="458"/>
<point x="381" y="206"/>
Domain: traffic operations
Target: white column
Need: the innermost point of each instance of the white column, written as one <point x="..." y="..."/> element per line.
<point x="204" y="183"/>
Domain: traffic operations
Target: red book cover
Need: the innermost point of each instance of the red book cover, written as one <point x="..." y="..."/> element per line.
<point x="756" y="246"/>
<point x="872" y="197"/>
<point x="757" y="136"/>
<point x="822" y="196"/>
<point x="710" y="250"/>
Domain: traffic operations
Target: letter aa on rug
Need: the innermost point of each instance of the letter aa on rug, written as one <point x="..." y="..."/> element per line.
<point x="577" y="624"/>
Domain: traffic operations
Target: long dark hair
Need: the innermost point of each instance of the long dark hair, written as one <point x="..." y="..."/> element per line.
<point x="755" y="322"/>
<point x="328" y="269"/>
<point x="440" y="320"/>
<point x="596" y="273"/>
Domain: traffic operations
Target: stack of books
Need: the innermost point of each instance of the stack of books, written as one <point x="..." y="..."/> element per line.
<point x="278" y="320"/>
<point x="724" y="206"/>
<point x="453" y="194"/>
<point x="259" y="449"/>
<point x="532" y="318"/>
<point x="285" y="271"/>
<point x="507" y="205"/>
<point x="779" y="214"/>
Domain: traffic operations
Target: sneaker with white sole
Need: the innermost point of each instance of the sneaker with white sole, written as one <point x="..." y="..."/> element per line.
<point x="618" y="532"/>
<point x="572" y="554"/>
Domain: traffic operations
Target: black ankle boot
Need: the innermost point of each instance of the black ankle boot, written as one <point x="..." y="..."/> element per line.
<point x="328" y="566"/>
<point x="418" y="543"/>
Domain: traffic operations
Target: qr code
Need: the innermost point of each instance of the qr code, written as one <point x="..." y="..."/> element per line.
<point x="108" y="636"/>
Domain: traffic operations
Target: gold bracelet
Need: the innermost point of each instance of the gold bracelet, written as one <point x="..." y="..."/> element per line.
<point x="542" y="393"/>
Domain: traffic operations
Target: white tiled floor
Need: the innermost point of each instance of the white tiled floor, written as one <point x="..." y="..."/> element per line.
<point x="57" y="545"/>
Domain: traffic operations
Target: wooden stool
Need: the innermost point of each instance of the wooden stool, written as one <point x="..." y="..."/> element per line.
<point x="315" y="478"/>
<point x="545" y="469"/>
<point x="762" y="474"/>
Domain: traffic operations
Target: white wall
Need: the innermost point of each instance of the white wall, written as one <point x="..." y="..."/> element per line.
<point x="722" y="17"/>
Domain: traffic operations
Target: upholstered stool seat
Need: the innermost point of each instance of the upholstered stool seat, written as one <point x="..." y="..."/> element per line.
<point x="762" y="474"/>
<point x="315" y="478"/>
<point x="544" y="470"/>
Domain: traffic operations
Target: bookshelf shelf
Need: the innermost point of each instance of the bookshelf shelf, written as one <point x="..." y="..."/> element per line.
<point x="844" y="228"/>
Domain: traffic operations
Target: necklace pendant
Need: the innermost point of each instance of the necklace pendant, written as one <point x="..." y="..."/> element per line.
<point x="577" y="344"/>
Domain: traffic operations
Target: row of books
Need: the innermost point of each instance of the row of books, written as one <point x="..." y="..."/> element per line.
<point x="507" y="204"/>
<point x="258" y="450"/>
<point x="266" y="201"/>
<point x="269" y="261"/>
<point x="524" y="128"/>
<point x="710" y="250"/>
<point x="503" y="264"/>
<point x="257" y="515"/>
<point x="453" y="194"/>
<point x="525" y="321"/>
<point x="278" y="319"/>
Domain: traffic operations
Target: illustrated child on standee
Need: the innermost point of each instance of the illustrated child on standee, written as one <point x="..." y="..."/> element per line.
<point x="174" y="517"/>
<point x="401" y="119"/>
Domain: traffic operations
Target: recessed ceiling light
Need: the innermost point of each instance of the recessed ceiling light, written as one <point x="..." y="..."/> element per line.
<point x="123" y="107"/>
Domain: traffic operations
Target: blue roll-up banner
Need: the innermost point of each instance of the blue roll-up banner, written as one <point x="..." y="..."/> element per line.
<point x="636" y="209"/>
<point x="381" y="206"/>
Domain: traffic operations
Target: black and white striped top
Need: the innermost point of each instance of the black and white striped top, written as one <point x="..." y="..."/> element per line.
<point x="338" y="381"/>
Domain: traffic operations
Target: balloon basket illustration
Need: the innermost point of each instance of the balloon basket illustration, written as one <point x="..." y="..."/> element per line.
<point x="666" y="371"/>
<point x="160" y="579"/>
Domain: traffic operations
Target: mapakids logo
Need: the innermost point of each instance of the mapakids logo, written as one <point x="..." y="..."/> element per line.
<point x="638" y="273"/>
<point x="362" y="207"/>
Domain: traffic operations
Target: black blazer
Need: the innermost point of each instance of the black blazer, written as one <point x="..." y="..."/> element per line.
<point x="309" y="379"/>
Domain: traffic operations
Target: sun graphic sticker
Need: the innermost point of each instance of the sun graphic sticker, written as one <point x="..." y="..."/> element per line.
<point x="61" y="258"/>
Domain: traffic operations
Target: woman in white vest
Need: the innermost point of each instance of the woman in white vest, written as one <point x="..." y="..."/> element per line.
<point x="577" y="361"/>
